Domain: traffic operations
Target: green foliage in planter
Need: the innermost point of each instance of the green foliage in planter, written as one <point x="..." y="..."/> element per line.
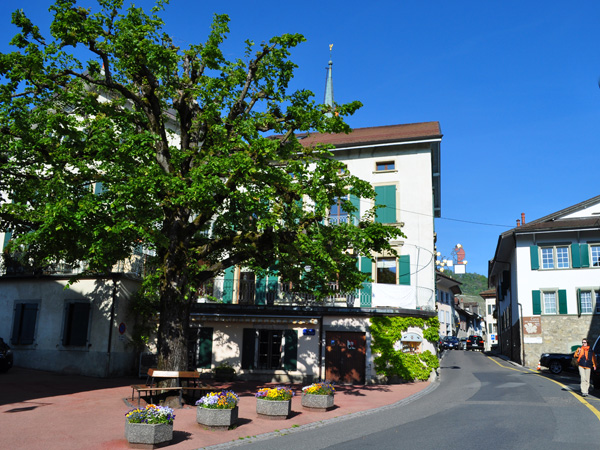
<point x="386" y="331"/>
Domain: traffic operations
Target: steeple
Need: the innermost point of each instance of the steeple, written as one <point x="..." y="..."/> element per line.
<point x="329" y="83"/>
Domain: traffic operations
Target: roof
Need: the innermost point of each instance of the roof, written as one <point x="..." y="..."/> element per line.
<point x="377" y="135"/>
<point x="553" y="221"/>
<point x="550" y="222"/>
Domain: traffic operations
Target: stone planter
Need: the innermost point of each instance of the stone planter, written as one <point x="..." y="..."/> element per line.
<point x="150" y="435"/>
<point x="224" y="374"/>
<point x="273" y="409"/>
<point x="219" y="419"/>
<point x="317" y="402"/>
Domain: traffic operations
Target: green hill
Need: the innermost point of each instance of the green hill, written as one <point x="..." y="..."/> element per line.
<point x="472" y="283"/>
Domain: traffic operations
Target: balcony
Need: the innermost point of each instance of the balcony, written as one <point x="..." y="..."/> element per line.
<point x="245" y="292"/>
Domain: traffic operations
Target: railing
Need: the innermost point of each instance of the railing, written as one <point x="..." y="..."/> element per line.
<point x="274" y="293"/>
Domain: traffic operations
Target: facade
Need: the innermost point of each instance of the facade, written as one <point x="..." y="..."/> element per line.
<point x="546" y="274"/>
<point x="490" y="320"/>
<point x="402" y="163"/>
<point x="81" y="329"/>
<point x="447" y="288"/>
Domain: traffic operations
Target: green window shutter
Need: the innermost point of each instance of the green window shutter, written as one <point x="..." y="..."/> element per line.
<point x="228" y="285"/>
<point x="98" y="188"/>
<point x="386" y="196"/>
<point x="7" y="236"/>
<point x="579" y="302"/>
<point x="261" y="291"/>
<point x="366" y="292"/>
<point x="575" y="256"/>
<point x="536" y="302"/>
<point x="272" y="285"/>
<point x="290" y="355"/>
<point x="562" y="301"/>
<point x="355" y="215"/>
<point x="205" y="345"/>
<point x="248" y="348"/>
<point x="404" y="270"/>
<point x="584" y="252"/>
<point x="535" y="257"/>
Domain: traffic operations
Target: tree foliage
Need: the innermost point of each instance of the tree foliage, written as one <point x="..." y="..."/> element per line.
<point x="471" y="283"/>
<point x="196" y="156"/>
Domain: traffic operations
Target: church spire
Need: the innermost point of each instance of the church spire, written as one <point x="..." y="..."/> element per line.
<point x="329" y="83"/>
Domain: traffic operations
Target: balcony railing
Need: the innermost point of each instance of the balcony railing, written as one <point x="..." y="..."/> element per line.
<point x="273" y="293"/>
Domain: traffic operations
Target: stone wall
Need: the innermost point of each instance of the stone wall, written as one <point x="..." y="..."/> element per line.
<point x="560" y="334"/>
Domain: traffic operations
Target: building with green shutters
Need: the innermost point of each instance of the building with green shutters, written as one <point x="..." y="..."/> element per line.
<point x="546" y="274"/>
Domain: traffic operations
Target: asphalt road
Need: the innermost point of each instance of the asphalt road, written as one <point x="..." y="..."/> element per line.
<point x="479" y="402"/>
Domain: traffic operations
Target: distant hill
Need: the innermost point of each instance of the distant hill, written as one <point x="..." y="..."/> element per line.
<point x="472" y="283"/>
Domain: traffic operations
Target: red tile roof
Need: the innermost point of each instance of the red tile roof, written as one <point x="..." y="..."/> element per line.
<point x="377" y="135"/>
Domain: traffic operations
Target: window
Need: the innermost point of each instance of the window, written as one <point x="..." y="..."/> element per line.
<point x="585" y="301"/>
<point x="270" y="349"/>
<point x="595" y="255"/>
<point x="385" y="165"/>
<point x="270" y="346"/>
<point x="549" y="302"/>
<point x="555" y="257"/>
<point x="337" y="214"/>
<point x="76" y="324"/>
<point x="24" y="323"/>
<point x="589" y="301"/>
<point x="386" y="270"/>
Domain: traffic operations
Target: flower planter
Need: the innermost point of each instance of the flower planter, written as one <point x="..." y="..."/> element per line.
<point x="273" y="409"/>
<point x="148" y="434"/>
<point x="317" y="402"/>
<point x="219" y="419"/>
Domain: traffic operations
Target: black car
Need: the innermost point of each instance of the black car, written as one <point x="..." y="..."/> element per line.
<point x="557" y="362"/>
<point x="6" y="356"/>
<point x="450" y="343"/>
<point x="475" y="343"/>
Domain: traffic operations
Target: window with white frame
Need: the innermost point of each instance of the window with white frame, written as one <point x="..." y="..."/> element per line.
<point x="595" y="254"/>
<point x="589" y="300"/>
<point x="549" y="302"/>
<point x="585" y="302"/>
<point x="555" y="257"/>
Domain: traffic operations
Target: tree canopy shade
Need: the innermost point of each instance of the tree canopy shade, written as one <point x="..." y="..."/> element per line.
<point x="192" y="155"/>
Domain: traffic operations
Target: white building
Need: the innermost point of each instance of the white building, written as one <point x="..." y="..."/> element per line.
<point x="546" y="274"/>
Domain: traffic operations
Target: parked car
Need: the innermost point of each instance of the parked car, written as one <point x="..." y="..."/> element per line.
<point x="475" y="343"/>
<point x="450" y="343"/>
<point x="6" y="356"/>
<point x="462" y="343"/>
<point x="557" y="362"/>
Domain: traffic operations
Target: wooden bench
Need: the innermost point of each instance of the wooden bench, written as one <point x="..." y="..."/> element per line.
<point x="186" y="381"/>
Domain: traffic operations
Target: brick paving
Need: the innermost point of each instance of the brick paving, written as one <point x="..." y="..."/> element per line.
<point x="43" y="410"/>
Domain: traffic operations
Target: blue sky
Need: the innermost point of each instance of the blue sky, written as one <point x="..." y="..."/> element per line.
<point x="514" y="85"/>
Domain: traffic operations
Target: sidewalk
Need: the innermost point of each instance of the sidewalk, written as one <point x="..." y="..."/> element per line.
<point x="43" y="410"/>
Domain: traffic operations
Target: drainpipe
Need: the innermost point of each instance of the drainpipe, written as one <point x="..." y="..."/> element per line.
<point x="521" y="333"/>
<point x="110" y="325"/>
<point x="321" y="339"/>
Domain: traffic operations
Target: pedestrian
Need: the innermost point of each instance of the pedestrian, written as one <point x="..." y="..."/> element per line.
<point x="586" y="359"/>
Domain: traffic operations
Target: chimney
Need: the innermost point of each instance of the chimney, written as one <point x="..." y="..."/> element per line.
<point x="518" y="223"/>
<point x="523" y="218"/>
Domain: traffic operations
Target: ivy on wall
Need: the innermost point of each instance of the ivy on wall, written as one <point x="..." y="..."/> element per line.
<point x="386" y="331"/>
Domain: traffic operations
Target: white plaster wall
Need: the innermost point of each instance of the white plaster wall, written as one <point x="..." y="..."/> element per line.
<point x="227" y="348"/>
<point x="47" y="352"/>
<point x="414" y="203"/>
<point x="567" y="279"/>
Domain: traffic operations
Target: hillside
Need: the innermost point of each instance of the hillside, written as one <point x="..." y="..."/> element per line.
<point x="472" y="283"/>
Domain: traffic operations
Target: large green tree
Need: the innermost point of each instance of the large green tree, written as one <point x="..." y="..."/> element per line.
<point x="196" y="155"/>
